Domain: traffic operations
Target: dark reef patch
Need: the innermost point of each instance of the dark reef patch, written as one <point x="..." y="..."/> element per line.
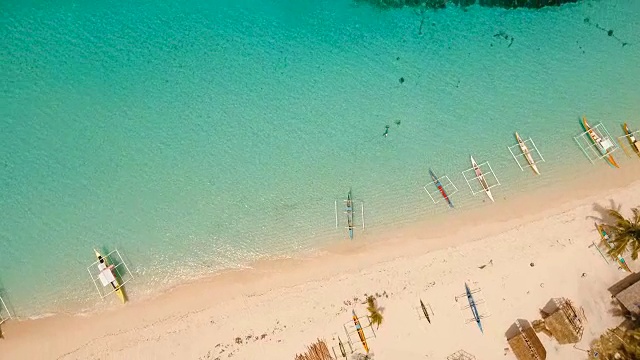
<point x="441" y="4"/>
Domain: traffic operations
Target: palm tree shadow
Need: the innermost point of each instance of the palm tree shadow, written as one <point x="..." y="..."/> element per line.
<point x="603" y="212"/>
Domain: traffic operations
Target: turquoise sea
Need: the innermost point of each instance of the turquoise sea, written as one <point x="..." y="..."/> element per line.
<point x="199" y="136"/>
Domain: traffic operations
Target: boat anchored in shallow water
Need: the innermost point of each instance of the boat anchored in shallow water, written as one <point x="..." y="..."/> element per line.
<point x="632" y="138"/>
<point x="603" y="144"/>
<point x="481" y="179"/>
<point x="440" y="188"/>
<point x="350" y="205"/>
<point x="526" y="149"/>
<point x="112" y="276"/>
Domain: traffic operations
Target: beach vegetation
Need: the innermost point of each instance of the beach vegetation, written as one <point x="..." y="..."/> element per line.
<point x="624" y="232"/>
<point x="622" y="343"/>
<point x="375" y="312"/>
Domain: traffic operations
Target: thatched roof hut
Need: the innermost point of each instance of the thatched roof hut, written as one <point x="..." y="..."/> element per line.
<point x="564" y="322"/>
<point x="630" y="298"/>
<point x="526" y="345"/>
<point x="316" y="351"/>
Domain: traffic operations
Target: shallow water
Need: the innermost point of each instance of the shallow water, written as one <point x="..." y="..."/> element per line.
<point x="196" y="137"/>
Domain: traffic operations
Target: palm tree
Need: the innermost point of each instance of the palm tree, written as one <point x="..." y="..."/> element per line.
<point x="617" y="344"/>
<point x="375" y="312"/>
<point x="625" y="233"/>
<point x="359" y="356"/>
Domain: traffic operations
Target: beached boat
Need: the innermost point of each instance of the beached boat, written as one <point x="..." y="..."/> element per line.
<point x="481" y="179"/>
<point x="527" y="154"/>
<point x="602" y="145"/>
<point x="606" y="239"/>
<point x="473" y="307"/>
<point x="635" y="144"/>
<point x="349" y="212"/>
<point x="107" y="277"/>
<point x="438" y="184"/>
<point x="363" y="339"/>
<point x="424" y="310"/>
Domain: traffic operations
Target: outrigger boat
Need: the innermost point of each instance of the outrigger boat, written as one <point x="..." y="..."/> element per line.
<point x="635" y="144"/>
<point x="606" y="239"/>
<point x="481" y="179"/>
<point x="363" y="339"/>
<point x="424" y="310"/>
<point x="349" y="212"/>
<point x="107" y="277"/>
<point x="438" y="184"/>
<point x="527" y="154"/>
<point x="602" y="145"/>
<point x="473" y="307"/>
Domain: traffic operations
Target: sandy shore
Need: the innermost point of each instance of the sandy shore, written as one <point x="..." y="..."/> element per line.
<point x="275" y="309"/>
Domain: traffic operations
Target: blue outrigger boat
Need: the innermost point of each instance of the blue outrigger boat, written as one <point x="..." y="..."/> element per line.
<point x="349" y="212"/>
<point x="474" y="308"/>
<point x="438" y="184"/>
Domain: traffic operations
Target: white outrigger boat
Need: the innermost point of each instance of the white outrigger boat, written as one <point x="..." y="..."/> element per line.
<point x="481" y="179"/>
<point x="527" y="154"/>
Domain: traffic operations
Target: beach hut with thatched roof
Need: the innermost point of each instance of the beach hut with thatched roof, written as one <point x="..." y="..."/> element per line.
<point x="525" y="344"/>
<point x="629" y="297"/>
<point x="563" y="320"/>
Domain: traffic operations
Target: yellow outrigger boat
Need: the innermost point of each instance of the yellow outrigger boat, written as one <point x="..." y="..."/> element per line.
<point x="107" y="277"/>
<point x="635" y="144"/>
<point x="606" y="240"/>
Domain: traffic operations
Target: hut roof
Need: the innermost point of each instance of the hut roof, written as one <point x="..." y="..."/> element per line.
<point x="630" y="298"/>
<point x="527" y="346"/>
<point x="564" y="322"/>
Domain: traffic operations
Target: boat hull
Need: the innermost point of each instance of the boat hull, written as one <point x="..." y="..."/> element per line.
<point x="439" y="186"/>
<point x="474" y="308"/>
<point x="363" y="338"/>
<point x="119" y="290"/>
<point x="349" y="212"/>
<point x="527" y="155"/>
<point x="596" y="141"/>
<point x="482" y="180"/>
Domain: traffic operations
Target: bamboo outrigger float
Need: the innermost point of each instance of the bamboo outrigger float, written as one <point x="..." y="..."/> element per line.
<point x="5" y="314"/>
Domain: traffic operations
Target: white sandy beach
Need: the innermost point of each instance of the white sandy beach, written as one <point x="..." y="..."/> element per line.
<point x="277" y="308"/>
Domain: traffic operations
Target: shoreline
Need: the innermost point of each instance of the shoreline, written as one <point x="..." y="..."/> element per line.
<point x="504" y="210"/>
<point x="333" y="265"/>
